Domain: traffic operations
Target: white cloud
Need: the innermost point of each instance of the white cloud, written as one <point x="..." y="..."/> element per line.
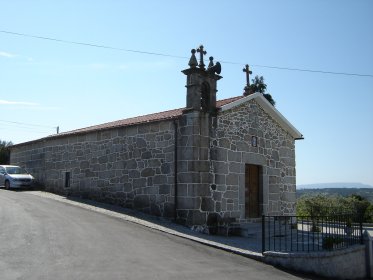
<point x="6" y="54"/>
<point x="7" y="102"/>
<point x="28" y="106"/>
<point x="12" y="55"/>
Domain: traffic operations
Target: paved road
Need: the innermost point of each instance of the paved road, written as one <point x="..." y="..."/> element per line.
<point x="42" y="238"/>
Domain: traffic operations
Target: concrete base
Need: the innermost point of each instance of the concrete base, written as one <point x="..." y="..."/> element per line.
<point x="339" y="264"/>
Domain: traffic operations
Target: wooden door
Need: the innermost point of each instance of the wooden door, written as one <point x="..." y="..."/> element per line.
<point x="252" y="191"/>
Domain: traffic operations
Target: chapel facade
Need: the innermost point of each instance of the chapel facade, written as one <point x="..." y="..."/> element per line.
<point x="233" y="158"/>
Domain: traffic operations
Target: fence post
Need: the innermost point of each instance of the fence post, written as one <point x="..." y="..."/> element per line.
<point x="361" y="232"/>
<point x="263" y="233"/>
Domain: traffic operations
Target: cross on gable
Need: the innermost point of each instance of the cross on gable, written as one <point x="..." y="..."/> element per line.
<point x="201" y="53"/>
<point x="248" y="72"/>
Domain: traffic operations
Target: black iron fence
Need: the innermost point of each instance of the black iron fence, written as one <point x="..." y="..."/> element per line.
<point x="310" y="233"/>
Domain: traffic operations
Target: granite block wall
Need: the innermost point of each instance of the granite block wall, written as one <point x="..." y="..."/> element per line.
<point x="134" y="166"/>
<point x="130" y="166"/>
<point x="231" y="149"/>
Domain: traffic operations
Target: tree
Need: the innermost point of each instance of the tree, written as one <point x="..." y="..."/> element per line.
<point x="324" y="205"/>
<point x="359" y="206"/>
<point x="316" y="205"/>
<point x="258" y="85"/>
<point x="5" y="151"/>
<point x="368" y="215"/>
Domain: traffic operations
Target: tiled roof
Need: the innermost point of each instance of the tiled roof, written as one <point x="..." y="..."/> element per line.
<point x="166" y="115"/>
<point x="171" y="114"/>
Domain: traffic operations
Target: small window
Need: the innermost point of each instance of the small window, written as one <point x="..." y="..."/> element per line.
<point x="254" y="141"/>
<point x="67" y="179"/>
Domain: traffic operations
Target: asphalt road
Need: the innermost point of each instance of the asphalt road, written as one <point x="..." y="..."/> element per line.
<point x="42" y="238"/>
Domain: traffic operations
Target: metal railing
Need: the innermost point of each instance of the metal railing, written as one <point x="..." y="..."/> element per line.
<point x="310" y="233"/>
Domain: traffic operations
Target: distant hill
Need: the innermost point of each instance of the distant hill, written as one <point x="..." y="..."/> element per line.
<point x="364" y="192"/>
<point x="333" y="185"/>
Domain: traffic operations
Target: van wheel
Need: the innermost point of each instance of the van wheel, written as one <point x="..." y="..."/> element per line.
<point x="7" y="185"/>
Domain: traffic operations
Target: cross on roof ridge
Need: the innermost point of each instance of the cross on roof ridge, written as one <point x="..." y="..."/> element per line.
<point x="248" y="72"/>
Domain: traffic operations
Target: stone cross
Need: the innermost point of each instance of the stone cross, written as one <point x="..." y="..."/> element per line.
<point x="201" y="53"/>
<point x="248" y="72"/>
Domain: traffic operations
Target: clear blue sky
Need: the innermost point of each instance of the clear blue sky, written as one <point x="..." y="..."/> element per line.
<point x="51" y="84"/>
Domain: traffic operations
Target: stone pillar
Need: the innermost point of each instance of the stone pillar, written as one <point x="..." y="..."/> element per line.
<point x="194" y="199"/>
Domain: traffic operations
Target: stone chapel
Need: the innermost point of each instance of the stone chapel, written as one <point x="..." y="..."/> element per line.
<point x="232" y="158"/>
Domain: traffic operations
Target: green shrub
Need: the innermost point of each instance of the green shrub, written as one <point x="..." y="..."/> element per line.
<point x="329" y="241"/>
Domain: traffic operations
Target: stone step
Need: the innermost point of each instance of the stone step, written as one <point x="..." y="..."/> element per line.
<point x="251" y="230"/>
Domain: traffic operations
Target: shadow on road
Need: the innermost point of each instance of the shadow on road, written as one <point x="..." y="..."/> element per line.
<point x="28" y="189"/>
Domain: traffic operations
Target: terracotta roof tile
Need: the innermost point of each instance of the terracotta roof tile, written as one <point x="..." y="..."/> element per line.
<point x="166" y="115"/>
<point x="223" y="102"/>
<point x="171" y="114"/>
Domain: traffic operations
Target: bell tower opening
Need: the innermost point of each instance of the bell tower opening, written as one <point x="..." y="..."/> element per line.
<point x="205" y="97"/>
<point x="202" y="83"/>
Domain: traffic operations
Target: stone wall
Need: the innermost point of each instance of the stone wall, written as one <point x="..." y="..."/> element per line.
<point x="232" y="149"/>
<point x="131" y="166"/>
